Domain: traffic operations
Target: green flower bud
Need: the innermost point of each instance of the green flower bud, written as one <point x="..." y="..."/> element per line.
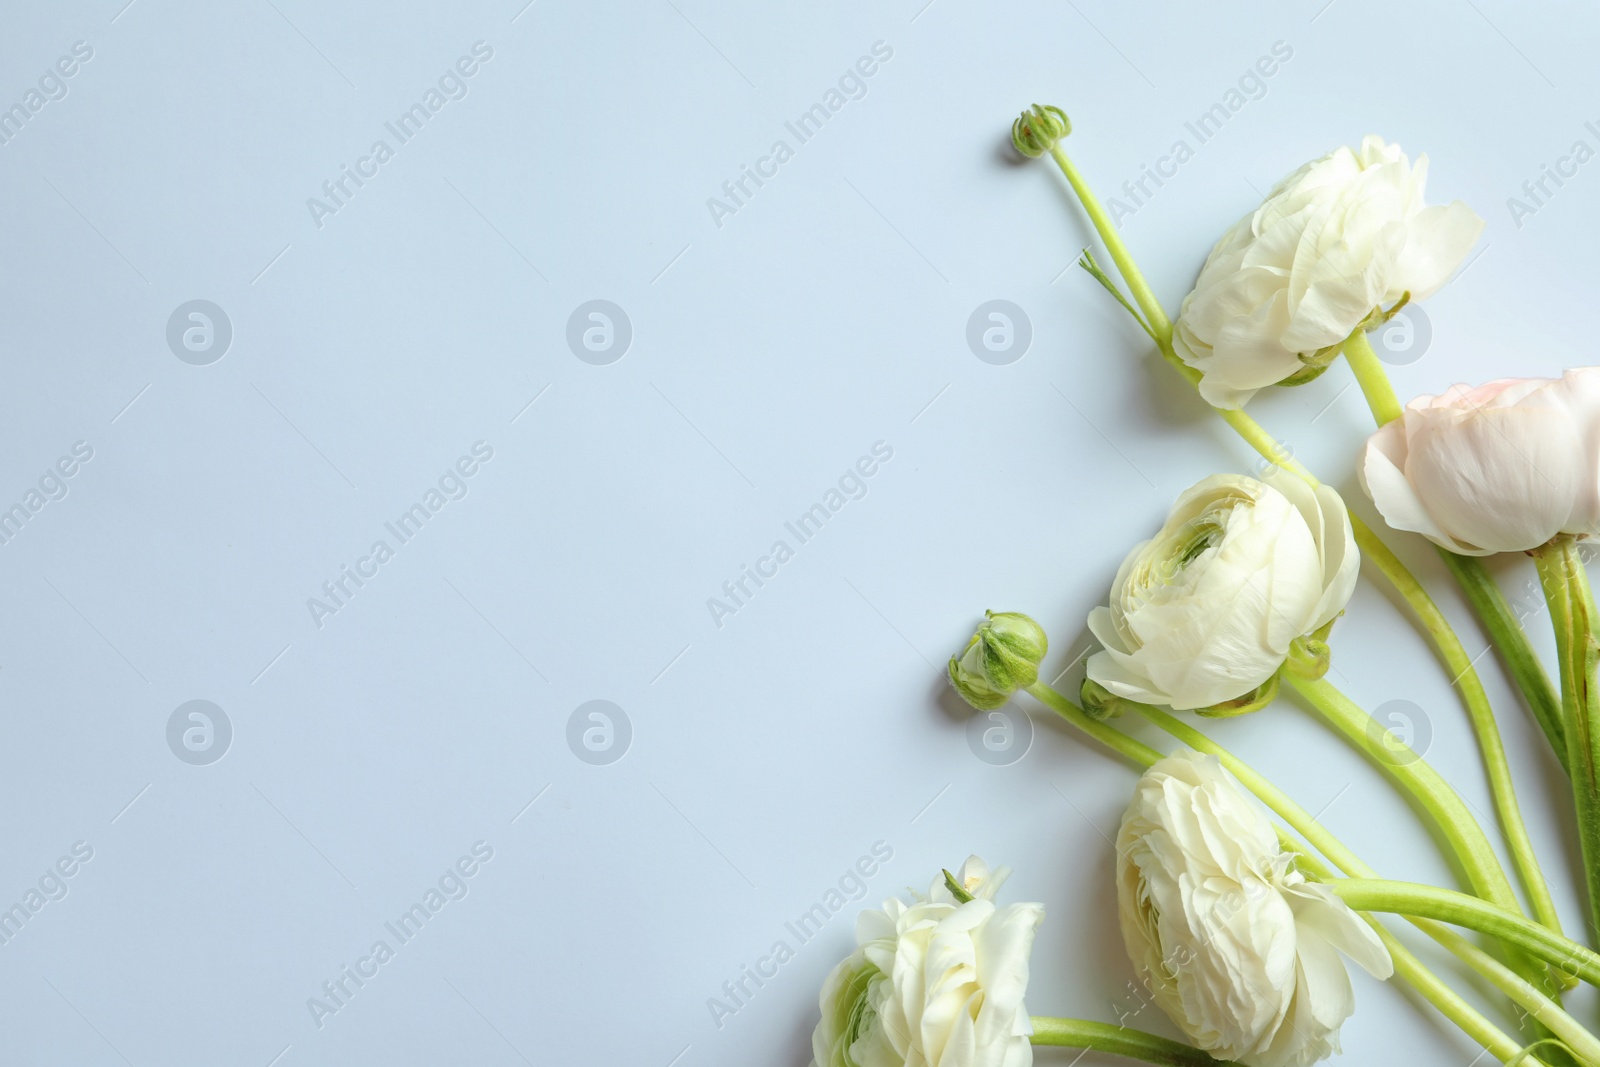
<point x="1037" y="130"/>
<point x="1255" y="700"/>
<point x="1002" y="657"/>
<point x="1309" y="657"/>
<point x="1100" y="703"/>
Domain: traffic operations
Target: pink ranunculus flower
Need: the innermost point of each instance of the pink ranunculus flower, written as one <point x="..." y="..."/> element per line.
<point x="1503" y="467"/>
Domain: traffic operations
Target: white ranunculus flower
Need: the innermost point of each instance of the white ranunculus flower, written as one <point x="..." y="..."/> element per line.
<point x="1341" y="237"/>
<point x="1500" y="468"/>
<point x="1205" y="611"/>
<point x="935" y="983"/>
<point x="1235" y="945"/>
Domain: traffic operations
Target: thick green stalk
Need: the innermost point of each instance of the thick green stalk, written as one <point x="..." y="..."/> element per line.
<point x="1107" y="735"/>
<point x="1541" y="1008"/>
<point x="1511" y="641"/>
<point x="1426" y="785"/>
<point x="1566" y="590"/>
<point x="1120" y="1041"/>
<point x="1473" y="913"/>
<point x="1465" y="675"/>
<point x="1407" y="966"/>
<point x="1371" y="377"/>
<point x="1505" y="630"/>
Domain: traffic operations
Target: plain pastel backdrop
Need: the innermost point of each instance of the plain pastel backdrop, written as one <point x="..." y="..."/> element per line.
<point x="754" y="348"/>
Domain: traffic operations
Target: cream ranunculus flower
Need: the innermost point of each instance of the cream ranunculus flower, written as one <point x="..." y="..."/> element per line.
<point x="1340" y="238"/>
<point x="1204" y="612"/>
<point x="1500" y="468"/>
<point x="935" y="983"/>
<point x="1235" y="945"/>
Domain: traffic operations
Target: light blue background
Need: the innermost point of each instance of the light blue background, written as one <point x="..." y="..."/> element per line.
<point x="768" y="354"/>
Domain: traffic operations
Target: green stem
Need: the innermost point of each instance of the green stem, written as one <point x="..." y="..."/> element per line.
<point x="1480" y="714"/>
<point x="1154" y="314"/>
<point x="1120" y="1041"/>
<point x="1371" y="377"/>
<point x="1107" y="735"/>
<point x="1407" y="966"/>
<point x="1443" y="805"/>
<point x="1504" y="628"/>
<point x="1566" y="590"/>
<point x="1540" y="1007"/>
<point x="1474" y="913"/>
<point x="1511" y="640"/>
<point x="1374" y="383"/>
<point x="1467" y="841"/>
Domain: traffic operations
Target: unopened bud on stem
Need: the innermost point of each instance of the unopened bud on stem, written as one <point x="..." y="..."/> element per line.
<point x="1002" y="657"/>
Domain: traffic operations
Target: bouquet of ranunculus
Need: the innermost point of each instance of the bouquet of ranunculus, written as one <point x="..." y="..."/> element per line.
<point x="1239" y="910"/>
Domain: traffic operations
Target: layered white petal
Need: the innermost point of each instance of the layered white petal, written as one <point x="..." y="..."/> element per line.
<point x="1237" y="948"/>
<point x="1205" y="611"/>
<point x="1340" y="237"/>
<point x="934" y="983"/>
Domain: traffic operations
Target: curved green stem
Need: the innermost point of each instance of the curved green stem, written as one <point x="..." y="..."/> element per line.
<point x="1120" y="1041"/>
<point x="1474" y="913"/>
<point x="1407" y="966"/>
<point x="1486" y="599"/>
<point x="1540" y="1007"/>
<point x="1154" y="314"/>
<point x="1511" y="641"/>
<point x="1491" y="747"/>
<point x="1566" y="588"/>
<point x="1544" y="1010"/>
<point x="1371" y="377"/>
<point x="1110" y="736"/>
<point x="1375" y="384"/>
<point x="1402" y="763"/>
